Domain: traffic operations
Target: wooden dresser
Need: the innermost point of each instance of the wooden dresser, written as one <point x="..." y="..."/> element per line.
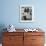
<point x="23" y="38"/>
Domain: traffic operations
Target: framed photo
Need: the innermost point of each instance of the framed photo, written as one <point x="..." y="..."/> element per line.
<point x="26" y="13"/>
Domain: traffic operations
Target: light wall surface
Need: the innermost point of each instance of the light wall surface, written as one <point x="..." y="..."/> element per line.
<point x="10" y="13"/>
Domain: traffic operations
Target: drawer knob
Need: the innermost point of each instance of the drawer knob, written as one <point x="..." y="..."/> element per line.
<point x="11" y="38"/>
<point x="33" y="39"/>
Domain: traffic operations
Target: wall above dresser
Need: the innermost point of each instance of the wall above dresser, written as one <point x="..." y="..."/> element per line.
<point x="9" y="13"/>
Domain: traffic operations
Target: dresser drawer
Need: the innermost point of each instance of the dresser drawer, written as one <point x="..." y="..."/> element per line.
<point x="13" y="44"/>
<point x="13" y="33"/>
<point x="34" y="33"/>
<point x="8" y="45"/>
<point x="37" y="44"/>
<point x="12" y="39"/>
<point x="27" y="41"/>
<point x="37" y="39"/>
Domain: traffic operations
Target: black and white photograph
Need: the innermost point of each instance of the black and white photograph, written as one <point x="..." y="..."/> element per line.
<point x="26" y="13"/>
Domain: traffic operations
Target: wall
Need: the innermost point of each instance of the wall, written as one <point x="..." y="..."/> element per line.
<point x="10" y="13"/>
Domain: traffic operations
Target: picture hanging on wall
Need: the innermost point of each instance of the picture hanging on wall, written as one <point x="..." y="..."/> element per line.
<point x="26" y="13"/>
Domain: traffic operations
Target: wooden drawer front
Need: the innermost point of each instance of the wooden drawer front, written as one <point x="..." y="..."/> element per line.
<point x="37" y="45"/>
<point x="27" y="41"/>
<point x="12" y="44"/>
<point x="33" y="33"/>
<point x="13" y="33"/>
<point x="8" y="45"/>
<point x="5" y="40"/>
<point x="37" y="39"/>
<point x="33" y="40"/>
<point x="11" y="39"/>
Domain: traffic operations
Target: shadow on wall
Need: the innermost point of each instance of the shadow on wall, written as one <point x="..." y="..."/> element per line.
<point x="2" y="26"/>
